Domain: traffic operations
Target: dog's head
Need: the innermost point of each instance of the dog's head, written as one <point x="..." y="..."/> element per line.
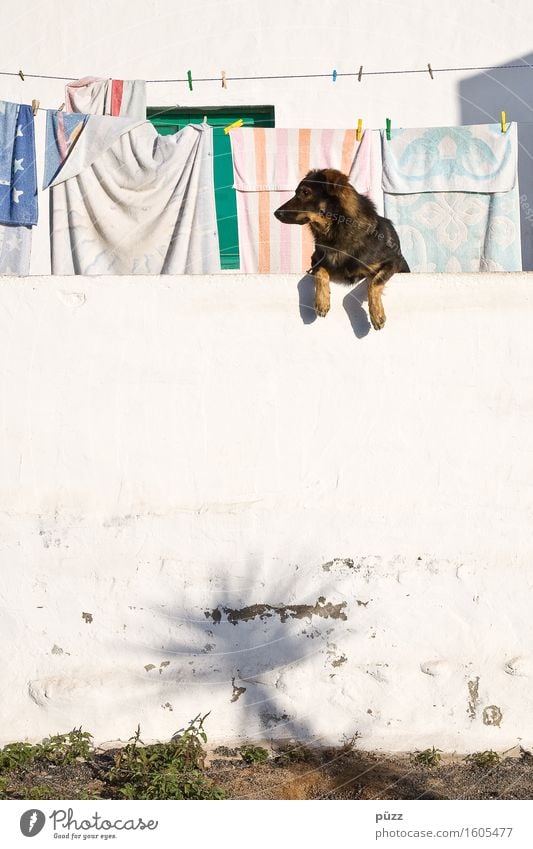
<point x="318" y="198"/>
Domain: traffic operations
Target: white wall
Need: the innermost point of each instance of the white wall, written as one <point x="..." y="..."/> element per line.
<point x="164" y="38"/>
<point x="174" y="446"/>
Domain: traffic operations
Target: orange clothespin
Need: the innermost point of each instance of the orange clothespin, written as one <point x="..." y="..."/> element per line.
<point x="504" y="122"/>
<point x="35" y="107"/>
<point x="359" y="131"/>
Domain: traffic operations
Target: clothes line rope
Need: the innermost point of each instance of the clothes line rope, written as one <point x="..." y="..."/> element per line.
<point x="328" y="75"/>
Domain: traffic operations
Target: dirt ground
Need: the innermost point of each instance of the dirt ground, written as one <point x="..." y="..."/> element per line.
<point x="305" y="774"/>
<point x="354" y="775"/>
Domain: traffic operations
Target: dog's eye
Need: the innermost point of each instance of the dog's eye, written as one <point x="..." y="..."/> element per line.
<point x="306" y="192"/>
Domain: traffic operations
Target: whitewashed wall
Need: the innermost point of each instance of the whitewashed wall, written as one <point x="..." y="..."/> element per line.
<point x="211" y="501"/>
<point x="154" y="39"/>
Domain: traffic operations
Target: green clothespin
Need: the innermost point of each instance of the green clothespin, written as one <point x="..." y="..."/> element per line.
<point x="189" y="80"/>
<point x="388" y="128"/>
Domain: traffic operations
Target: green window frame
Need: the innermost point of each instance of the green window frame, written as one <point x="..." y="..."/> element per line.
<point x="170" y="120"/>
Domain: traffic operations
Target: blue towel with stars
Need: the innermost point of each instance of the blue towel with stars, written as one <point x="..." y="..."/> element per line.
<point x="18" y="175"/>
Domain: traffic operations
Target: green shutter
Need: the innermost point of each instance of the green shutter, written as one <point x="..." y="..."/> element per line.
<point x="167" y="121"/>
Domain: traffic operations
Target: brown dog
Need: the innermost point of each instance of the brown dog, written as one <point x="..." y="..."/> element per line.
<point x="351" y="240"/>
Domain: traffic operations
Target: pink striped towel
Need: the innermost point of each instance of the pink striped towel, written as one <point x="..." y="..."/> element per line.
<point x="268" y="165"/>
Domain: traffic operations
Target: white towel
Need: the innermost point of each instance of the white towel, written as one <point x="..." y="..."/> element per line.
<point x="135" y="202"/>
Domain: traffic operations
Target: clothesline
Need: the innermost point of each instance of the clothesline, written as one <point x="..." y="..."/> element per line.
<point x="358" y="74"/>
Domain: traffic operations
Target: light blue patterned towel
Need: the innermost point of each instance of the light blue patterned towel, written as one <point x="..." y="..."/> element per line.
<point x="452" y="194"/>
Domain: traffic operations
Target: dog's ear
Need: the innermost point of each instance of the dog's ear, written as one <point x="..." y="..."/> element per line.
<point x="336" y="183"/>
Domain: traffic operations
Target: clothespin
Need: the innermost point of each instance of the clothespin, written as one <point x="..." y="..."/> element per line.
<point x="360" y="74"/>
<point x="334" y="76"/>
<point x="387" y="131"/>
<point x="34" y="107"/>
<point x="233" y="126"/>
<point x="359" y="132"/>
<point x="504" y="122"/>
<point x="430" y="71"/>
<point x="21" y="75"/>
<point x="205" y="120"/>
<point x="189" y="80"/>
<point x="224" y="83"/>
<point x="61" y="107"/>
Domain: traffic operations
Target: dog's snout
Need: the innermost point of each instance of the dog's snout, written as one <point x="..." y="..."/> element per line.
<point x="280" y="214"/>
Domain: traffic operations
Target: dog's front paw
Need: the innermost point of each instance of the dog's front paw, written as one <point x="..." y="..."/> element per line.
<point x="321" y="306"/>
<point x="378" y="319"/>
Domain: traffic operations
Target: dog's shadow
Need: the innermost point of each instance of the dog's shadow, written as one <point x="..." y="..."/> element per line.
<point x="352" y="303"/>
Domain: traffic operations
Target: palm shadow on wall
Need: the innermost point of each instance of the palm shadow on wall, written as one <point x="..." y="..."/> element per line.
<point x="483" y="97"/>
<point x="245" y="650"/>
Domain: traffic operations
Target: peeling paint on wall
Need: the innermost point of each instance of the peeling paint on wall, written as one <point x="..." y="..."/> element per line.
<point x="492" y="715"/>
<point x="473" y="697"/>
<point x="237" y="691"/>
<point x="322" y="608"/>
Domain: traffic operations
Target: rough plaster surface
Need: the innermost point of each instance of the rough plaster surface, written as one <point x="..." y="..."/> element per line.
<point x="209" y="501"/>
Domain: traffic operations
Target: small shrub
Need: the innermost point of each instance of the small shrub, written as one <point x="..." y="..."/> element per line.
<point x="295" y="754"/>
<point x="41" y="791"/>
<point x="427" y="757"/>
<point x="484" y="760"/>
<point x="62" y="749"/>
<point x="164" y="770"/>
<point x="253" y="754"/>
<point x="16" y="756"/>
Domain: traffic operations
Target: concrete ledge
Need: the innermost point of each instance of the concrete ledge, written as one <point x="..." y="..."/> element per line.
<point x="212" y="500"/>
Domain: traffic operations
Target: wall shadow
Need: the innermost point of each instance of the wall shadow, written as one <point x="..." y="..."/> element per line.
<point x="306" y="299"/>
<point x="241" y="650"/>
<point x="353" y="304"/>
<point x="483" y="96"/>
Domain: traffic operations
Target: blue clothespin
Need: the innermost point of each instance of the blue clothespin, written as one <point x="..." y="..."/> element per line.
<point x="334" y="76"/>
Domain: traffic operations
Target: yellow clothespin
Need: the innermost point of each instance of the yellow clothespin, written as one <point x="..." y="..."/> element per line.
<point x="224" y="83"/>
<point x="359" y="132"/>
<point x="233" y="126"/>
<point x="35" y="107"/>
<point x="21" y="75"/>
<point x="504" y="122"/>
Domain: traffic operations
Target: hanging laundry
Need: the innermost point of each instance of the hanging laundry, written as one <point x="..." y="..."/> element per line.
<point x="268" y="165"/>
<point x="95" y="96"/>
<point x="126" y="200"/>
<point x="18" y="187"/>
<point x="452" y="194"/>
